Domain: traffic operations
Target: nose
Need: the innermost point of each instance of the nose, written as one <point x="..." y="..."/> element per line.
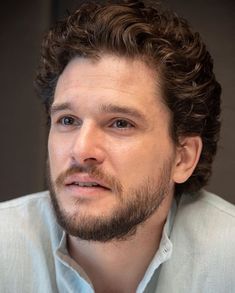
<point x="87" y="147"/>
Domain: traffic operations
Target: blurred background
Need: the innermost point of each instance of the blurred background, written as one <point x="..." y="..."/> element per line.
<point x="23" y="138"/>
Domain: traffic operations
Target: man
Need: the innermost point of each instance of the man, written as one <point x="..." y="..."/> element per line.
<point x="134" y="113"/>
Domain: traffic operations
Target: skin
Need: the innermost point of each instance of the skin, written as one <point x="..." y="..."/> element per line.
<point x="126" y="146"/>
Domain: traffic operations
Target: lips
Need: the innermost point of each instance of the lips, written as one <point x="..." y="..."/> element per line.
<point x="84" y="181"/>
<point x="86" y="184"/>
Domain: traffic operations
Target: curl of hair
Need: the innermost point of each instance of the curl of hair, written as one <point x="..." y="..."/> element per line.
<point x="136" y="29"/>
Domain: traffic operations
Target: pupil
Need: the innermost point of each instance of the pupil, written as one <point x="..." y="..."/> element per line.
<point x="68" y="120"/>
<point x="121" y="123"/>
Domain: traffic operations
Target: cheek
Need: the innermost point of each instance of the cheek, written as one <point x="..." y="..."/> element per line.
<point x="130" y="158"/>
<point x="57" y="153"/>
<point x="141" y="160"/>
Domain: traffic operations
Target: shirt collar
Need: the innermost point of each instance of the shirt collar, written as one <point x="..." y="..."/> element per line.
<point x="163" y="253"/>
<point x="65" y="259"/>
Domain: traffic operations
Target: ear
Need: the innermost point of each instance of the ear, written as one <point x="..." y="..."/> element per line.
<point x="188" y="154"/>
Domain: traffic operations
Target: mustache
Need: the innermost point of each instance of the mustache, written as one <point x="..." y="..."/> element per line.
<point x="93" y="172"/>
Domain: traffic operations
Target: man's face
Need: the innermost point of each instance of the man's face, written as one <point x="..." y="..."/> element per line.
<point x="111" y="157"/>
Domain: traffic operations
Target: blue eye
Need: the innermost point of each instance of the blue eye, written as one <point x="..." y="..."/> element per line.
<point x="67" y="120"/>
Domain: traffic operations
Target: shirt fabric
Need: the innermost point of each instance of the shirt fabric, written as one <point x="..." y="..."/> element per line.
<point x="196" y="253"/>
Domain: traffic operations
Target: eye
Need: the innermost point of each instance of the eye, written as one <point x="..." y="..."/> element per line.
<point x="122" y="124"/>
<point x="67" y="121"/>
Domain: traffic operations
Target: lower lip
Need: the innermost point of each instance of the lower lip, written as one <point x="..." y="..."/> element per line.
<point x="83" y="192"/>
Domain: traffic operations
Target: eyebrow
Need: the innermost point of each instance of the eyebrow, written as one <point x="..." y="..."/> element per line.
<point x="110" y="108"/>
<point x="104" y="108"/>
<point x="60" y="107"/>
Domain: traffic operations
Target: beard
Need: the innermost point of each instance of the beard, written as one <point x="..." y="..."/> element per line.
<point x="134" y="206"/>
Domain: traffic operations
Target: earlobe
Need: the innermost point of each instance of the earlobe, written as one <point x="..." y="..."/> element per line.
<point x="188" y="154"/>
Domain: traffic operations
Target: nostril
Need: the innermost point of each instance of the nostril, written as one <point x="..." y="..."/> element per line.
<point x="90" y="159"/>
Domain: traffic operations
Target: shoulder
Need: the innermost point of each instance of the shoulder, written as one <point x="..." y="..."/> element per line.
<point x="203" y="235"/>
<point x="209" y="200"/>
<point x="206" y="218"/>
<point x="203" y="238"/>
<point x="28" y="219"/>
<point x="34" y="206"/>
<point x="207" y="209"/>
<point x="29" y="236"/>
<point x="23" y="201"/>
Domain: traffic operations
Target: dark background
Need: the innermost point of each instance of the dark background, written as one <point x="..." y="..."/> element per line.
<point x="22" y="123"/>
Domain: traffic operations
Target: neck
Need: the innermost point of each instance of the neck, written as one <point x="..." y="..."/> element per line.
<point x="119" y="266"/>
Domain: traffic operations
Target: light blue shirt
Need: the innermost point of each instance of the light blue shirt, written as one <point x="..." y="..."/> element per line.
<point x="196" y="252"/>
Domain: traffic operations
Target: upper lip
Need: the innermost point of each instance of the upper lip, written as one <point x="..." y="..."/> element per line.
<point x="84" y="179"/>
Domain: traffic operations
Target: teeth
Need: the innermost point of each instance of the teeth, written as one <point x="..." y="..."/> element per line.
<point x="86" y="184"/>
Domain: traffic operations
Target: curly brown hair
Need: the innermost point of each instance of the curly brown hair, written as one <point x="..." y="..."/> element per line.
<point x="165" y="41"/>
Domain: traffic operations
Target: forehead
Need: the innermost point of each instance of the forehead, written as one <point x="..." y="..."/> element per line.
<point x="118" y="80"/>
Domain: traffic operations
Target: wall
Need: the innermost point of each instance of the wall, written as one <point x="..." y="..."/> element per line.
<point x="23" y="139"/>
